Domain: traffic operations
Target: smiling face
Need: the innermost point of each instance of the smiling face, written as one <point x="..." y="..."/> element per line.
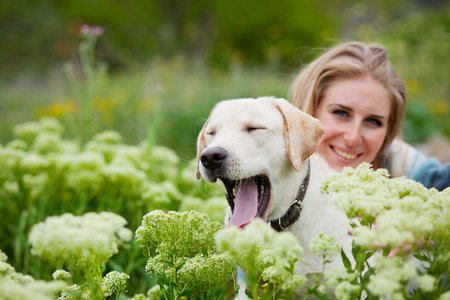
<point x="355" y="114"/>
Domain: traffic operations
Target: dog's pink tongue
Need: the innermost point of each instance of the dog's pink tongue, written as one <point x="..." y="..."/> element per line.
<point x="245" y="205"/>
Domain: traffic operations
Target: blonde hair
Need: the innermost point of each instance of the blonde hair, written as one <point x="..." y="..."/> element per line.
<point x="351" y="60"/>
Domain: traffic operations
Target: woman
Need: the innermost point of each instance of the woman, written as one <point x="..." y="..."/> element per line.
<point x="353" y="90"/>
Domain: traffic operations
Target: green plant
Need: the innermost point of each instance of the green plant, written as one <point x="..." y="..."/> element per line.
<point x="44" y="175"/>
<point x="267" y="258"/>
<point x="83" y="245"/>
<point x="396" y="220"/>
<point x="86" y="89"/>
<point x="182" y="255"/>
<point x="14" y="285"/>
<point x="404" y="222"/>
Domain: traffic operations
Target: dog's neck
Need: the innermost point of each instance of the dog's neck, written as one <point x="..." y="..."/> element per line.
<point x="293" y="213"/>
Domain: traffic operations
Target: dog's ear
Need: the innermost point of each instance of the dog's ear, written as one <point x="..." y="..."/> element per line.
<point x="201" y="145"/>
<point x="302" y="132"/>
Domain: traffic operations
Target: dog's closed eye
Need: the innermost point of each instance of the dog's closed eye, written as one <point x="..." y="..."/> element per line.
<point x="254" y="128"/>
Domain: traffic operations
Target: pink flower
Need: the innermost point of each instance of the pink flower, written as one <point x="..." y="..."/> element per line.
<point x="94" y="30"/>
<point x="97" y="30"/>
<point x="85" y="29"/>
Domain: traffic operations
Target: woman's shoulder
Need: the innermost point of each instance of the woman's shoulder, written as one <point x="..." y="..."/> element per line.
<point x="405" y="160"/>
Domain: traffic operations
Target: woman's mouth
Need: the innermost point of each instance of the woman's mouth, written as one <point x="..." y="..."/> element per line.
<point x="344" y="154"/>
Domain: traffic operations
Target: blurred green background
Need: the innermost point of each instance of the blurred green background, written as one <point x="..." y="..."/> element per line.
<point x="168" y="62"/>
<point x="157" y="71"/>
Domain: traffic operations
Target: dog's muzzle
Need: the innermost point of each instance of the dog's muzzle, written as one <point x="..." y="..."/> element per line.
<point x="248" y="197"/>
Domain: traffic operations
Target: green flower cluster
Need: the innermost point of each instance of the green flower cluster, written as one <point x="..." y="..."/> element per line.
<point x="88" y="240"/>
<point x="182" y="254"/>
<point x="43" y="174"/>
<point x="114" y="283"/>
<point x="324" y="245"/>
<point x="267" y="257"/>
<point x="62" y="275"/>
<point x="83" y="244"/>
<point x="16" y="286"/>
<point x="40" y="162"/>
<point x="403" y="220"/>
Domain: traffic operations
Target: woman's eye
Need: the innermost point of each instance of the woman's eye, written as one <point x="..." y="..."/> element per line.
<point x="340" y="113"/>
<point x="375" y="122"/>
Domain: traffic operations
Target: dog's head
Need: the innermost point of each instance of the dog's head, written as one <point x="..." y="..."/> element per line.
<point x="249" y="144"/>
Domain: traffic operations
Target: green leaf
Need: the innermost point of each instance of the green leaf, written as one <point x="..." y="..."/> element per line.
<point x="249" y="293"/>
<point x="320" y="295"/>
<point x="368" y="255"/>
<point x="421" y="257"/>
<point x="386" y="251"/>
<point x="355" y="250"/>
<point x="368" y="274"/>
<point x="360" y="260"/>
<point x="187" y="291"/>
<point x="115" y="265"/>
<point x="346" y="261"/>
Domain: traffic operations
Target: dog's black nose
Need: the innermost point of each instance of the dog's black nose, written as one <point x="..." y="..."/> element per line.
<point x="213" y="158"/>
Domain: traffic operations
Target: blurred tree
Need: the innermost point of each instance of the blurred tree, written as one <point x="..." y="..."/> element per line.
<point x="255" y="31"/>
<point x="221" y="32"/>
<point x="37" y="34"/>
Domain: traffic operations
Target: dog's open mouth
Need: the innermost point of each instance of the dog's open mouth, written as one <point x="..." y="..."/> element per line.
<point x="248" y="198"/>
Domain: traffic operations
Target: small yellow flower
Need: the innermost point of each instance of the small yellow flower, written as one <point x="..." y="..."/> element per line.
<point x="438" y="107"/>
<point x="104" y="104"/>
<point x="56" y="109"/>
<point x="145" y="104"/>
<point x="414" y="87"/>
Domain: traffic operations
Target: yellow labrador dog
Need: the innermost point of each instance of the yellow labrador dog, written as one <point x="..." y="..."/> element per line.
<point x="262" y="151"/>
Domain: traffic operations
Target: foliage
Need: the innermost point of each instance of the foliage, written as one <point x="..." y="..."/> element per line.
<point x="267" y="258"/>
<point x="83" y="245"/>
<point x="418" y="46"/>
<point x="408" y="223"/>
<point x="156" y="100"/>
<point x="186" y="254"/>
<point x="82" y="242"/>
<point x="164" y="97"/>
<point x="44" y="174"/>
<point x="85" y="90"/>
<point x="182" y="255"/>
<point x="17" y="286"/>
<point x="219" y="32"/>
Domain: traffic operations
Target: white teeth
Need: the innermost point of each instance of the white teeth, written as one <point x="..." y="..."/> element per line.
<point x="263" y="191"/>
<point x="345" y="155"/>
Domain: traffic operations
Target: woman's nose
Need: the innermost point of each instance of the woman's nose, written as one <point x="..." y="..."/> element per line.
<point x="352" y="134"/>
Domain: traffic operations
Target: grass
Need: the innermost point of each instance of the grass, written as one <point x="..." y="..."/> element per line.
<point x="183" y="94"/>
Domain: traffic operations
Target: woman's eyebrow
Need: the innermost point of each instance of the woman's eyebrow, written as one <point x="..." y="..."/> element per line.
<point x="340" y="105"/>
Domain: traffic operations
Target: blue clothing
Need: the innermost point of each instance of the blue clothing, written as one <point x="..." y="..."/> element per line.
<point x="405" y="160"/>
<point x="432" y="174"/>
